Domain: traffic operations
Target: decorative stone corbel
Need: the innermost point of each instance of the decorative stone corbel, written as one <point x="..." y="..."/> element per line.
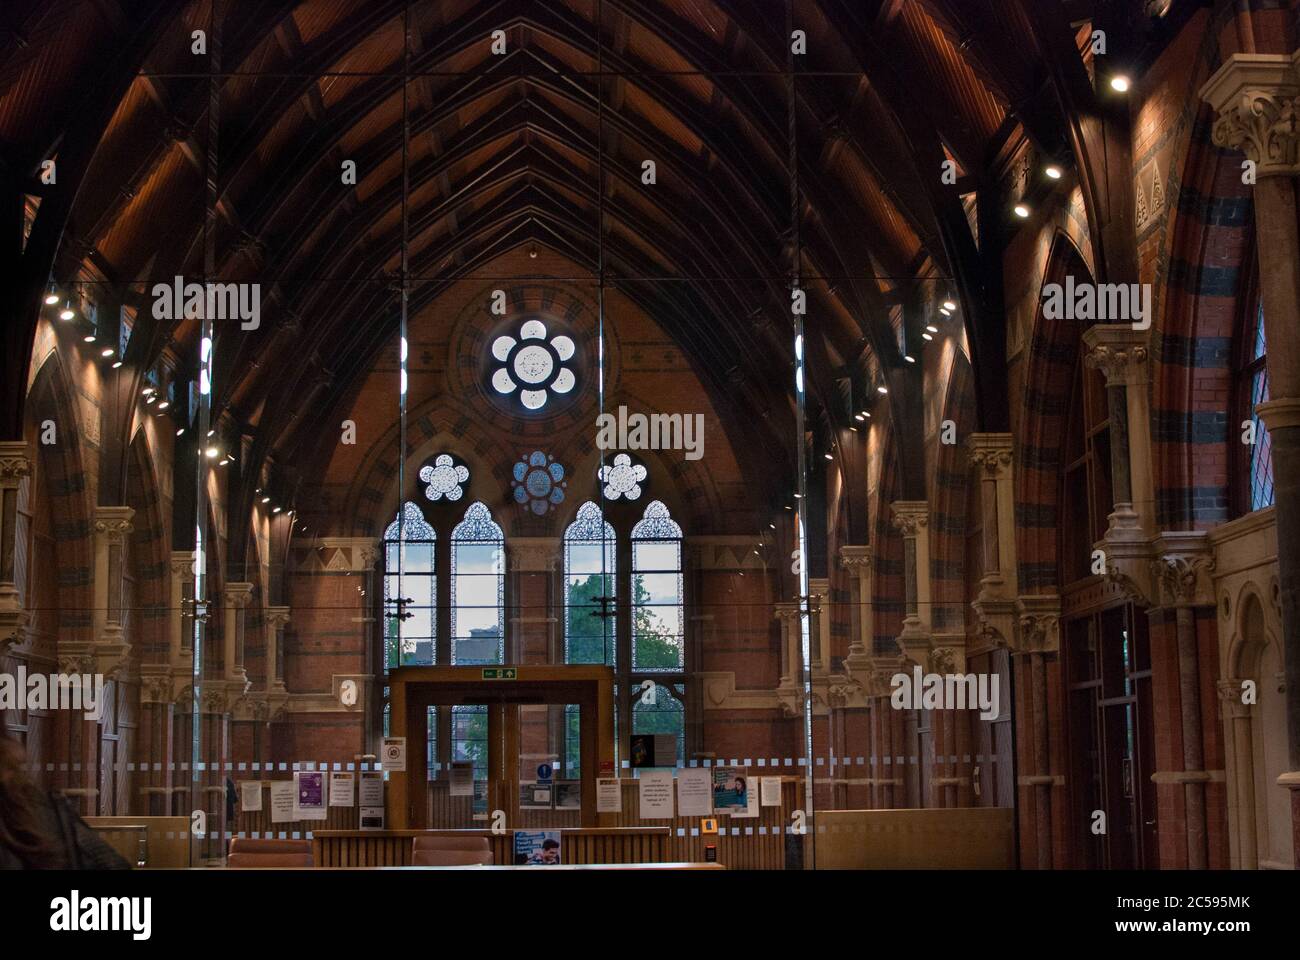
<point x="1040" y="623"/>
<point x="1257" y="100"/>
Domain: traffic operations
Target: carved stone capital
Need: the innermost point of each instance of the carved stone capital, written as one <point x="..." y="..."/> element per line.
<point x="1230" y="692"/>
<point x="1257" y="99"/>
<point x="15" y="462"/>
<point x="182" y="563"/>
<point x="114" y="523"/>
<point x="238" y="595"/>
<point x="1040" y="623"/>
<point x="990" y="453"/>
<point x="276" y="617"/>
<point x="1184" y="579"/>
<point x="911" y="517"/>
<point x="855" y="557"/>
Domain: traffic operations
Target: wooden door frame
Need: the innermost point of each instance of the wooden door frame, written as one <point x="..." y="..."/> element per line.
<point x="414" y="689"/>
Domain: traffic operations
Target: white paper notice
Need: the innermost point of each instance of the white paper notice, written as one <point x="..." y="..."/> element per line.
<point x="309" y="795"/>
<point x="372" y="788"/>
<point x="282" y="801"/>
<point x="771" y="790"/>
<point x="393" y="753"/>
<point x="343" y="788"/>
<point x="694" y="792"/>
<point x="462" y="779"/>
<point x="250" y="795"/>
<point x="609" y="796"/>
<point x="656" y="794"/>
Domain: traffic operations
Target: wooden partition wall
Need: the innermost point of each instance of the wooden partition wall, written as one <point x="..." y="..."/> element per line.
<point x="969" y="838"/>
<point x="151" y="842"/>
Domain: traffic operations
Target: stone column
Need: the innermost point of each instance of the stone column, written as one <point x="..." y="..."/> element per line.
<point x="912" y="519"/>
<point x="1183" y="558"/>
<point x="1120" y="352"/>
<point x="857" y="560"/>
<point x="819" y="622"/>
<point x="237" y="597"/>
<point x="1243" y="843"/>
<point x="112" y="528"/>
<point x="991" y="455"/>
<point x="275" y="619"/>
<point x="180" y="622"/>
<point x="1257" y="99"/>
<point x="1038" y="639"/>
<point x="15" y="468"/>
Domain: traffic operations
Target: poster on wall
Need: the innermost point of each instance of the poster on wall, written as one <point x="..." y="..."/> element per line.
<point x="730" y="790"/>
<point x="694" y="792"/>
<point x="393" y="754"/>
<point x="609" y="796"/>
<point x="250" y="796"/>
<point x="535" y="796"/>
<point x="541" y="848"/>
<point x="343" y="788"/>
<point x="568" y="795"/>
<point x="770" y="788"/>
<point x="372" y="788"/>
<point x="461" y="778"/>
<point x="751" y="804"/>
<point x="309" y="795"/>
<point x="282" y="801"/>
<point x="656" y="794"/>
<point x="372" y="818"/>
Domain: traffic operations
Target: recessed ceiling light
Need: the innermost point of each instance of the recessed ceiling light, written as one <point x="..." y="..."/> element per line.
<point x="926" y="336"/>
<point x="1119" y="83"/>
<point x="829" y="456"/>
<point x="106" y="352"/>
<point x="266" y="499"/>
<point x="212" y="431"/>
<point x="909" y="358"/>
<point x="945" y="311"/>
<point x="932" y="328"/>
<point x="949" y="305"/>
<point x="1022" y="211"/>
<point x="164" y="405"/>
<point x="882" y="389"/>
<point x="276" y="509"/>
<point x="51" y="298"/>
<point x="858" y="416"/>
<point x="1053" y="171"/>
<point x="147" y="391"/>
<point x="772" y="525"/>
<point x="797" y="496"/>
<point x="88" y="338"/>
<point x="179" y="431"/>
<point x="211" y="453"/>
<point x="116" y="364"/>
<point x="66" y="313"/>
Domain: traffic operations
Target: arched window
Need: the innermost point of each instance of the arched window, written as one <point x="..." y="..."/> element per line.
<point x="658" y="628"/>
<point x="477" y="588"/>
<point x="410" y="590"/>
<point x="589" y="568"/>
<point x="1252" y="380"/>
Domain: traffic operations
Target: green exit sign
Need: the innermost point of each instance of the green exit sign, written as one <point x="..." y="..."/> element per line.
<point x="500" y="673"/>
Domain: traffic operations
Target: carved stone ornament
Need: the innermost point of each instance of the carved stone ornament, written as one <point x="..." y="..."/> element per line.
<point x="1257" y="99"/>
<point x="1113" y="361"/>
<point x="1179" y="576"/>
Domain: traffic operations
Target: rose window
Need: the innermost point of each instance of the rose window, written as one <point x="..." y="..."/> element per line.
<point x="533" y="365"/>
<point x="623" y="478"/>
<point x="444" y="478"/>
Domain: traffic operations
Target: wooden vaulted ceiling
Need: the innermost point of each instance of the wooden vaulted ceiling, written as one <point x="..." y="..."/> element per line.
<point x="525" y="148"/>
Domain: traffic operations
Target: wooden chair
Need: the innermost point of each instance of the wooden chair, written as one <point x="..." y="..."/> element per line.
<point x="245" y="852"/>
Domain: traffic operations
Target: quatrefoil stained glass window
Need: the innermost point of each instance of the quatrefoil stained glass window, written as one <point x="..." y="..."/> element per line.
<point x="533" y="364"/>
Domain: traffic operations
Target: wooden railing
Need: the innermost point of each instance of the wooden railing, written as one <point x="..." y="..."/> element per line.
<point x="150" y="842"/>
<point x="758" y="843"/>
<point x="579" y="845"/>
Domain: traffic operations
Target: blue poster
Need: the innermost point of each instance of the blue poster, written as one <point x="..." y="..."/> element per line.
<point x="537" y="849"/>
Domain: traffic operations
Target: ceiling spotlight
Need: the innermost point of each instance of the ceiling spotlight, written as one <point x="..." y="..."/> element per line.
<point x="868" y="415"/>
<point x="222" y="462"/>
<point x="106" y="352"/>
<point x="88" y="338"/>
<point x="150" y="399"/>
<point x="829" y="456"/>
<point x="932" y="328"/>
<point x="164" y="405"/>
<point x="949" y="305"/>
<point x="51" y="298"/>
<point x="945" y="311"/>
<point x="116" y="364"/>
<point x="212" y="431"/>
<point x="1119" y="83"/>
<point x="66" y="313"/>
<point x="1022" y="211"/>
<point x="532" y="251"/>
<point x="859" y="417"/>
<point x="266" y="499"/>
<point x="909" y="358"/>
<point x="1053" y="171"/>
<point x="797" y="496"/>
<point x="179" y="431"/>
<point x="882" y="389"/>
<point x="772" y="525"/>
<point x="926" y="336"/>
<point x="276" y="509"/>
<point x="147" y="391"/>
<point x="211" y="453"/>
